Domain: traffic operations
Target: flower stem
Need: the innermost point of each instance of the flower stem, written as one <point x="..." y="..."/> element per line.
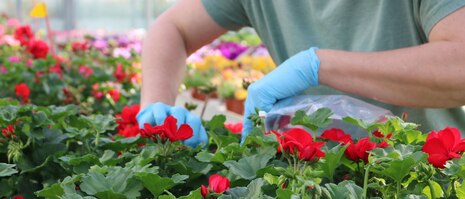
<point x="207" y="98"/>
<point x="365" y="181"/>
<point x="431" y="188"/>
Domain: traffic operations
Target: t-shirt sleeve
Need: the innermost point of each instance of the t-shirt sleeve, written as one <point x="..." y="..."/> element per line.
<point x="229" y="14"/>
<point x="432" y="11"/>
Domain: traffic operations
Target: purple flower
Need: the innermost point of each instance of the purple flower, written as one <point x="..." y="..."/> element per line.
<point x="232" y="50"/>
<point x="100" y="44"/>
<point x="14" y="59"/>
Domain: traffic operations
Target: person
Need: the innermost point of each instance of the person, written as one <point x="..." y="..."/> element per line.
<point x="404" y="55"/>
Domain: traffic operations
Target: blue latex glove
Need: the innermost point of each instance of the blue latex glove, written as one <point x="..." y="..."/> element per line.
<point x="156" y="113"/>
<point x="292" y="77"/>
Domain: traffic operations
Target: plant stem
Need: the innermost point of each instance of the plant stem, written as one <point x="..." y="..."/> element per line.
<point x="398" y="189"/>
<point x="365" y="181"/>
<point x="431" y="188"/>
<point x="207" y="98"/>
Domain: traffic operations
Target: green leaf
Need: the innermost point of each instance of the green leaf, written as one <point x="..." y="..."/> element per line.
<point x="398" y="169"/>
<point x="355" y="121"/>
<point x="437" y="189"/>
<point x="318" y="119"/>
<point x="237" y="192"/>
<point x="286" y="194"/>
<point x="8" y="113"/>
<point x="461" y="191"/>
<point x="345" y="189"/>
<point x="118" y="182"/>
<point x="52" y="192"/>
<point x="193" y="195"/>
<point x="455" y="167"/>
<point x="39" y="118"/>
<point x="216" y="122"/>
<point x="255" y="188"/>
<point x="247" y="167"/>
<point x="204" y="156"/>
<point x="166" y="197"/>
<point x="7" y="169"/>
<point x="110" y="195"/>
<point x="331" y="160"/>
<point x="155" y="183"/>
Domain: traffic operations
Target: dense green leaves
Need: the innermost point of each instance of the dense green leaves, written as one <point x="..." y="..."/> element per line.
<point x="317" y="120"/>
<point x="247" y="167"/>
<point x="7" y="169"/>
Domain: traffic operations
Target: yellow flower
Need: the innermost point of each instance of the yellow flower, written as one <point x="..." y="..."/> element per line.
<point x="240" y="94"/>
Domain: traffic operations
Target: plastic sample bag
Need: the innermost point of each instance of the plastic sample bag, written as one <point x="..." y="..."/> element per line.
<point x="342" y="106"/>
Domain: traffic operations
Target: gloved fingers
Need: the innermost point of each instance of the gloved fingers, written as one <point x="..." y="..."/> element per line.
<point x="145" y="116"/>
<point x="180" y="114"/>
<point x="259" y="98"/>
<point x="194" y="122"/>
<point x="160" y="112"/>
<point x="247" y="126"/>
<point x="203" y="136"/>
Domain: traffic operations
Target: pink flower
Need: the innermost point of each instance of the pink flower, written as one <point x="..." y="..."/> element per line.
<point x="86" y="71"/>
<point x="234" y="128"/>
<point x="14" y="59"/>
<point x="12" y="22"/>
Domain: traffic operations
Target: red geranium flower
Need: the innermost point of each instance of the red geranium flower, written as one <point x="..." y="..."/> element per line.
<point x="336" y="135"/>
<point x="173" y="133"/>
<point x="383" y="143"/>
<point x="57" y="70"/>
<point x="130" y="131"/>
<point x="168" y="130"/>
<point x="443" y="146"/>
<point x="18" y="197"/>
<point x="217" y="184"/>
<point x="23" y="92"/>
<point x="79" y="46"/>
<point x="114" y="93"/>
<point x="38" y="49"/>
<point x="119" y="73"/>
<point x="234" y="128"/>
<point x="300" y="142"/>
<point x="360" y="151"/>
<point x="312" y="152"/>
<point x="8" y="131"/>
<point x="127" y="118"/>
<point x="24" y="34"/>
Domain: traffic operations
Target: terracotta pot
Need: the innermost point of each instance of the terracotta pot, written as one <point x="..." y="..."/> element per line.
<point x="196" y="94"/>
<point x="235" y="105"/>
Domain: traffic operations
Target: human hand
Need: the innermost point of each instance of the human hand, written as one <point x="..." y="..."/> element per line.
<point x="156" y="113"/>
<point x="292" y="77"/>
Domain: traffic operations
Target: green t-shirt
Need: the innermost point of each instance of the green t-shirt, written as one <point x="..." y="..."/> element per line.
<point x="288" y="27"/>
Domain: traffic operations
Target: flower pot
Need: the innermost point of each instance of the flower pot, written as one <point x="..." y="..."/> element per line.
<point x="235" y="105"/>
<point x="196" y="94"/>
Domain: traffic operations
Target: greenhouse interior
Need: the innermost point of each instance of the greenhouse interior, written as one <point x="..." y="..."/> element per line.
<point x="232" y="99"/>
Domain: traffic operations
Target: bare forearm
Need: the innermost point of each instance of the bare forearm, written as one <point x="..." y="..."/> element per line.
<point x="431" y="75"/>
<point x="163" y="63"/>
<point x="174" y="35"/>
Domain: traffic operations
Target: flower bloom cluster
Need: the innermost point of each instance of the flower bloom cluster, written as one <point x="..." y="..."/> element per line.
<point x="358" y="151"/>
<point x="127" y="122"/>
<point x="443" y="146"/>
<point x="129" y="127"/>
<point x="23" y="92"/>
<point x="9" y="131"/>
<point x="216" y="184"/>
<point x="36" y="47"/>
<point x="167" y="131"/>
<point x="234" y="128"/>
<point x="299" y="142"/>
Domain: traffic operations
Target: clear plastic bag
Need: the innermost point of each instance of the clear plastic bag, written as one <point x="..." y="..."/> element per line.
<point x="280" y="115"/>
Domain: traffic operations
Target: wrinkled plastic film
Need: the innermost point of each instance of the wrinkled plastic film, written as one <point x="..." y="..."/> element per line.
<point x="342" y="106"/>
